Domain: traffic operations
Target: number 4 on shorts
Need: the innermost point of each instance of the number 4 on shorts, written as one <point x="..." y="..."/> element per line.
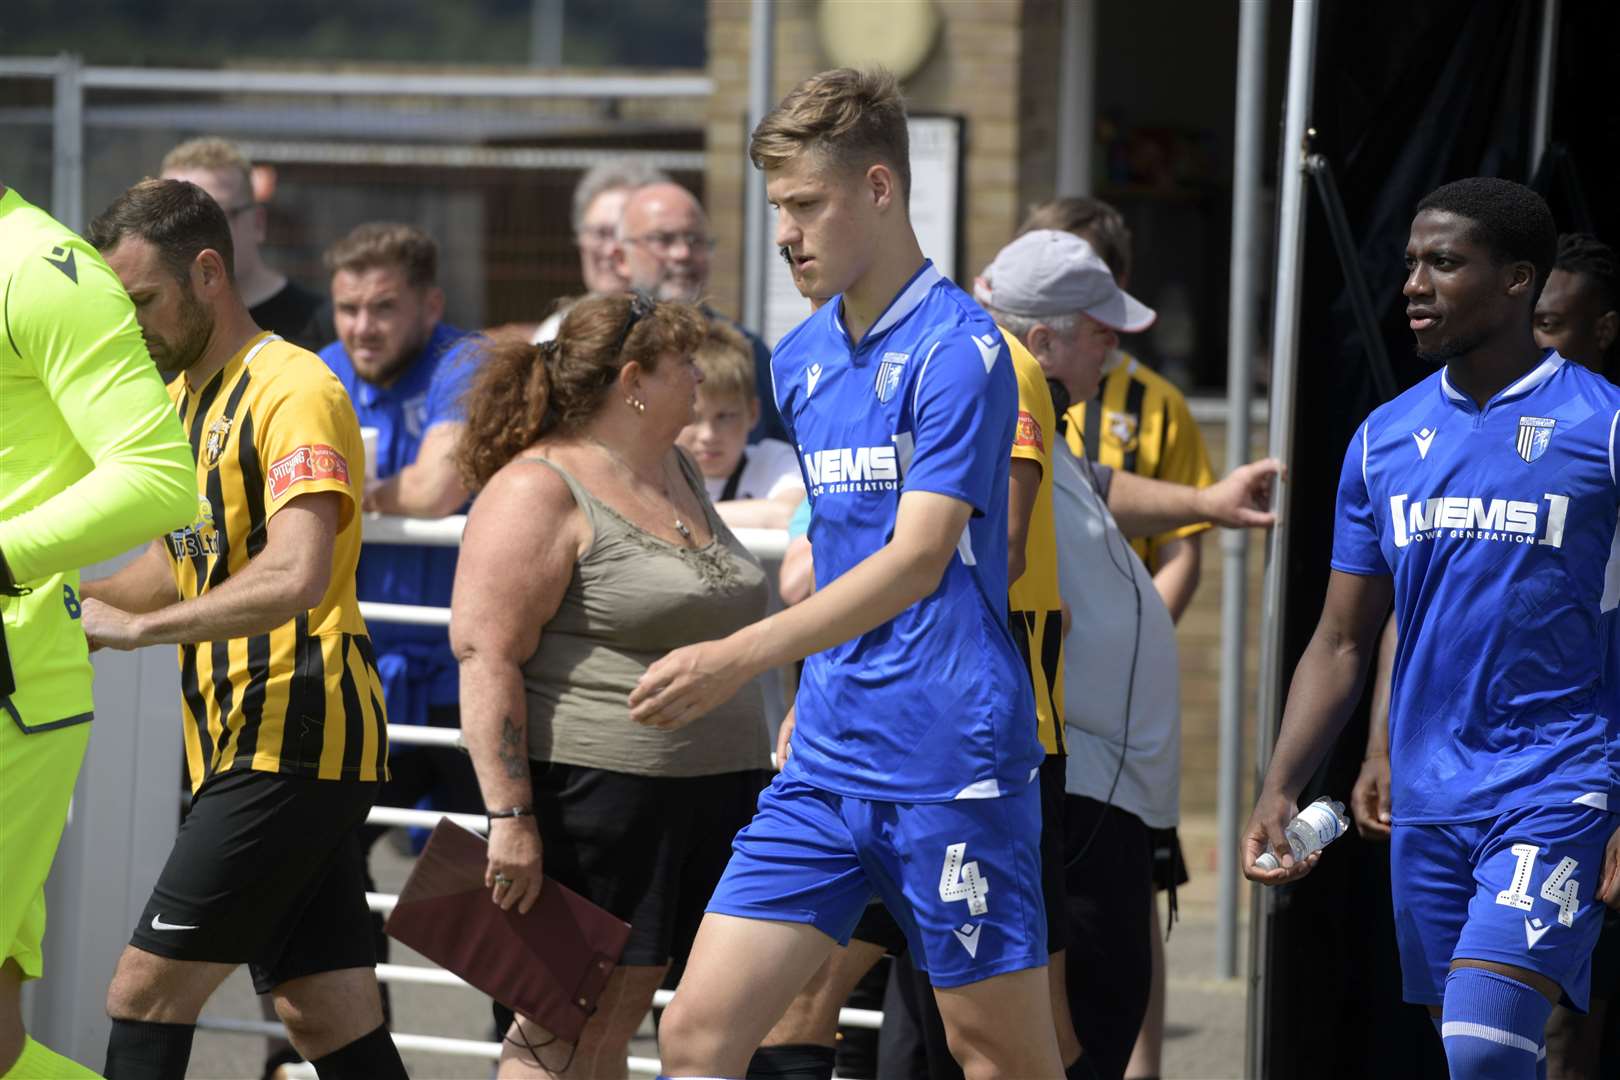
<point x="1560" y="887"/>
<point x="960" y="880"/>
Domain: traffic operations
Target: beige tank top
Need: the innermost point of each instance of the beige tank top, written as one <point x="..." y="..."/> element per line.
<point x="633" y="598"/>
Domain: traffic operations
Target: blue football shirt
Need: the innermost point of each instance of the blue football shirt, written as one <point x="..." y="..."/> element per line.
<point x="934" y="704"/>
<point x="417" y="668"/>
<point x="1501" y="527"/>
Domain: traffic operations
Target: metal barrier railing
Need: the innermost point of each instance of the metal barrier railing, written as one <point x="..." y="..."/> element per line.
<point x="446" y="532"/>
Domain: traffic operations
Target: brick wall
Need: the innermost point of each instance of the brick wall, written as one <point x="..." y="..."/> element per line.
<point x="995" y="64"/>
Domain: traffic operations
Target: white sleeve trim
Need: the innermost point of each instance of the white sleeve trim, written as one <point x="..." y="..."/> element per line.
<point x="916" y="390"/>
<point x="1364" y="482"/>
<point x="1614" y="426"/>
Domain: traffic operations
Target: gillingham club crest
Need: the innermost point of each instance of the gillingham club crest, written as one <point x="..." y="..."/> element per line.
<point x="888" y="374"/>
<point x="1535" y="433"/>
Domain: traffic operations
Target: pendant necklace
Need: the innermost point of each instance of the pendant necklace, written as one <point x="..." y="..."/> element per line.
<point x="680" y="526"/>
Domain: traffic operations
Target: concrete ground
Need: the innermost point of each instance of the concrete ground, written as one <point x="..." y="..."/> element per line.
<point x="1204" y="1028"/>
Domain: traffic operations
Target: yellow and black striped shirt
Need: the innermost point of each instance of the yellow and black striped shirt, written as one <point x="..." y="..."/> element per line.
<point x="1139" y="422"/>
<point x="1034" y="606"/>
<point x="304" y="698"/>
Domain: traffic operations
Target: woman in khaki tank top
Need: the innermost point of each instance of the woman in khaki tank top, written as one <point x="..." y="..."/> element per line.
<point x="590" y="552"/>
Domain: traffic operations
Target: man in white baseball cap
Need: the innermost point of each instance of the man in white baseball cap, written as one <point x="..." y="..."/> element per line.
<point x="1058" y="296"/>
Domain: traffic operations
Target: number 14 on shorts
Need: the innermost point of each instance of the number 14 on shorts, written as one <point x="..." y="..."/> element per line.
<point x="1560" y="887"/>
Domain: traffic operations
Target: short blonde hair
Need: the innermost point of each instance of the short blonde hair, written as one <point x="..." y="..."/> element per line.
<point x="210" y="152"/>
<point x="727" y="362"/>
<point x="850" y="117"/>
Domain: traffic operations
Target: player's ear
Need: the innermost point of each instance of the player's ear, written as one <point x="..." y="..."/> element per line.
<point x="208" y="271"/>
<point x="1521" y="279"/>
<point x="433" y="304"/>
<point x="880" y="183"/>
<point x="1608" y="328"/>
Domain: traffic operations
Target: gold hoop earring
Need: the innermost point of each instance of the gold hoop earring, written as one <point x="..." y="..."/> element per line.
<point x="636" y="404"/>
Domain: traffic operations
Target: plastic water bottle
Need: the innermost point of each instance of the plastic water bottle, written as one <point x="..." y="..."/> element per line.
<point x="1317" y="826"/>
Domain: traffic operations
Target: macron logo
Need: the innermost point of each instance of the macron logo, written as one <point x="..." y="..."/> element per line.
<point x="968" y="935"/>
<point x="989" y="348"/>
<point x="1424" y="440"/>
<point x="812" y="376"/>
<point x="1534" y="931"/>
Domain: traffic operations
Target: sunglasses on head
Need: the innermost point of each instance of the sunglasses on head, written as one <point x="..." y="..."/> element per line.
<point x="641" y="305"/>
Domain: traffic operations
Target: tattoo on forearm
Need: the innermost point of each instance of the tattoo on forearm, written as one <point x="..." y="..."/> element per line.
<point x="514" y="758"/>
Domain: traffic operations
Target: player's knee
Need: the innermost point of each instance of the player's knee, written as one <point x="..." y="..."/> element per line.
<point x="310" y="1024"/>
<point x="131" y="996"/>
<point x="684" y="1038"/>
<point x="1493" y="1026"/>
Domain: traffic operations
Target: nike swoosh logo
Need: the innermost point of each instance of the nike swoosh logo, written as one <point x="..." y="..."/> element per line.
<point x="814" y="376"/>
<point x="159" y="924"/>
<point x="1424" y="441"/>
<point x="989" y="349"/>
<point x="1532" y="935"/>
<point x="969" y="937"/>
<point x="64" y="263"/>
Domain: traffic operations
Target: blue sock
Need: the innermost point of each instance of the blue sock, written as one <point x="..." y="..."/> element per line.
<point x="1493" y="1027"/>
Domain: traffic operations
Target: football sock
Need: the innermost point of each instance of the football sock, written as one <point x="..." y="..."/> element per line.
<point x="373" y="1055"/>
<point x="148" y="1050"/>
<point x="1493" y="1027"/>
<point x="792" y="1061"/>
<point x="38" y="1062"/>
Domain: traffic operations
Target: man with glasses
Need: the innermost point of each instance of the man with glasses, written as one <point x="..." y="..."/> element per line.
<point x="664" y="250"/>
<point x="275" y="302"/>
<point x="599" y="199"/>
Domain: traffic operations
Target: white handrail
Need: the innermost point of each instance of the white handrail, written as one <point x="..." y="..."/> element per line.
<point x="413" y="973"/>
<point x="446" y="532"/>
<point x="423" y="819"/>
<point x="404" y="614"/>
<point x="431" y="1044"/>
<point x="417" y="735"/>
<point x="428" y="532"/>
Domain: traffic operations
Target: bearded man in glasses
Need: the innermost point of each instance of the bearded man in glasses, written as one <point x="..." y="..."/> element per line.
<point x="665" y="250"/>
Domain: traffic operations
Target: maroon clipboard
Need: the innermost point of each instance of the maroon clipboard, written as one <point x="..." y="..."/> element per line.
<point x="549" y="966"/>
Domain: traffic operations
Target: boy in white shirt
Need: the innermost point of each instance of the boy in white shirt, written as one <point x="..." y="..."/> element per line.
<point x="752" y="486"/>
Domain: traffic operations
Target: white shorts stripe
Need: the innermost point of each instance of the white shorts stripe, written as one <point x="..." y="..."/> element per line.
<point x="1462" y="1029"/>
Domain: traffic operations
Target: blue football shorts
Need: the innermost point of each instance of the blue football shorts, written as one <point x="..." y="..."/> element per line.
<point x="962" y="878"/>
<point x="1519" y="888"/>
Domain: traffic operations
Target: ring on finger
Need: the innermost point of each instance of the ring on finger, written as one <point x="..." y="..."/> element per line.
<point x="501" y="881"/>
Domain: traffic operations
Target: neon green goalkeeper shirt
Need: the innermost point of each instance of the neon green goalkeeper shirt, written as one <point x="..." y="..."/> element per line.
<point x="92" y="458"/>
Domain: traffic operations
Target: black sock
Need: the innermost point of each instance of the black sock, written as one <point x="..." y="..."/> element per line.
<point x="148" y="1050"/>
<point x="1082" y="1069"/>
<point x="792" y="1061"/>
<point x="370" y="1057"/>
